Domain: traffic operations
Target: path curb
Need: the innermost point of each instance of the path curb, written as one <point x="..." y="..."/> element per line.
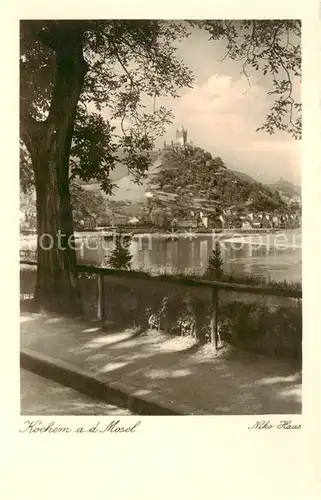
<point x="96" y="386"/>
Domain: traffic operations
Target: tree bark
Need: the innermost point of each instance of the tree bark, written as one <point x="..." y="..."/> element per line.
<point x="49" y="143"/>
<point x="57" y="287"/>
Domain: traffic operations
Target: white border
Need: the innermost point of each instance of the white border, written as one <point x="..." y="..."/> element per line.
<point x="190" y="457"/>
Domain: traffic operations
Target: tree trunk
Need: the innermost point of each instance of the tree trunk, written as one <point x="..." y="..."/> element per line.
<point x="57" y="287"/>
<point x="49" y="142"/>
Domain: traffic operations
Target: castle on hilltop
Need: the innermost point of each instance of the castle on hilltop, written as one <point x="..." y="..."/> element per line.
<point x="181" y="139"/>
<point x="181" y="136"/>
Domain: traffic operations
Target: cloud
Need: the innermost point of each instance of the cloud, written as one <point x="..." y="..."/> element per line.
<point x="226" y="108"/>
<point x="222" y="116"/>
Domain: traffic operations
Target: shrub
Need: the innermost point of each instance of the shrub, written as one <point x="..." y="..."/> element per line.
<point x="120" y="257"/>
<point x="215" y="264"/>
<point x="275" y="331"/>
<point x="261" y="324"/>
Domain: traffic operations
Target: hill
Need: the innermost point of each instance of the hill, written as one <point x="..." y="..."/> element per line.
<point x="194" y="179"/>
<point x="243" y="176"/>
<point x="286" y="188"/>
<point x="180" y="182"/>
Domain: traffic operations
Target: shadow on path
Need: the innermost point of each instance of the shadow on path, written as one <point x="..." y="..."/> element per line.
<point x="172" y="368"/>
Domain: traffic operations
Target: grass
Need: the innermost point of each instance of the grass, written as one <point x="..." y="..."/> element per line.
<point x="261" y="281"/>
<point x="265" y="325"/>
<point x="229" y="278"/>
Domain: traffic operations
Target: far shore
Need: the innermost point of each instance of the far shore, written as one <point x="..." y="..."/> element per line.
<point x="28" y="242"/>
<point x="170" y="235"/>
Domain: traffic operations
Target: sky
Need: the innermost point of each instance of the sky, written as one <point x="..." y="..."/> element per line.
<point x="221" y="114"/>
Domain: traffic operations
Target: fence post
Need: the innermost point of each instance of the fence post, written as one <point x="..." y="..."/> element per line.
<point x="100" y="297"/>
<point x="214" y="318"/>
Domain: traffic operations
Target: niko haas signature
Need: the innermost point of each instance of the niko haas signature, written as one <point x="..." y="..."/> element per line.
<point x="267" y="425"/>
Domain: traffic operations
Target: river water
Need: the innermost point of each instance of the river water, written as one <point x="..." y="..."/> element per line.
<point x="274" y="256"/>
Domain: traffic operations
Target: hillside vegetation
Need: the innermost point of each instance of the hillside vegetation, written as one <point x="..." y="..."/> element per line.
<point x="182" y="180"/>
<point x="191" y="176"/>
<point x="286" y="188"/>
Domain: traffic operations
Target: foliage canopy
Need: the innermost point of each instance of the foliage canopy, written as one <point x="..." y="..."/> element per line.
<point x="126" y="60"/>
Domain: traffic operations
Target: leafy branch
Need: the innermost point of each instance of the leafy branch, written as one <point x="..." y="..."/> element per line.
<point x="272" y="48"/>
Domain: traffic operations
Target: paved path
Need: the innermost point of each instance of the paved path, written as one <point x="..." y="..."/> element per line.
<point x="173" y="373"/>
<point x="40" y="396"/>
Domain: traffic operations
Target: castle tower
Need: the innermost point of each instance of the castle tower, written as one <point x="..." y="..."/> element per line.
<point x="181" y="136"/>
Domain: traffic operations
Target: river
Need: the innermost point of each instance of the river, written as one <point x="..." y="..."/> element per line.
<point x="274" y="256"/>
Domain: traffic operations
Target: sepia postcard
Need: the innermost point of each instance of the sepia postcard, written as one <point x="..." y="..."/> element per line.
<point x="168" y="252"/>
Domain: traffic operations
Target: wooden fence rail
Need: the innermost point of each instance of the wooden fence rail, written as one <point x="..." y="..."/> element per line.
<point x="215" y="286"/>
<point x="185" y="281"/>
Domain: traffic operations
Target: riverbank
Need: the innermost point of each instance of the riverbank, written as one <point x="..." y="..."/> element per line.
<point x="181" y="233"/>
